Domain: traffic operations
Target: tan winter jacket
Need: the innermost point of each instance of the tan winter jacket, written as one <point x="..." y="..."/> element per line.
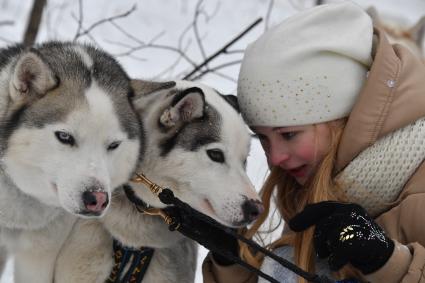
<point x="393" y="97"/>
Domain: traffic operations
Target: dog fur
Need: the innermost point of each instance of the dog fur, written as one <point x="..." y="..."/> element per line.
<point x="69" y="135"/>
<point x="197" y="145"/>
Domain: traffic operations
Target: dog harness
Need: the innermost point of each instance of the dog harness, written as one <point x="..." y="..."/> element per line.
<point x="130" y="264"/>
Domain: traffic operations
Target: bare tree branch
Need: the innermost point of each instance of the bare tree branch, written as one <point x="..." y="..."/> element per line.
<point x="159" y="46"/>
<point x="224" y="76"/>
<point x="222" y="50"/>
<point x="183" y="34"/>
<point x="6" y="23"/>
<point x="81" y="32"/>
<point x="142" y="45"/>
<point x="88" y="34"/>
<point x="79" y="19"/>
<point x="34" y="22"/>
<point x="216" y="68"/>
<point x="195" y="28"/>
<point x="171" y="68"/>
<point x="240" y="51"/>
<point x="53" y="17"/>
<point x="130" y="36"/>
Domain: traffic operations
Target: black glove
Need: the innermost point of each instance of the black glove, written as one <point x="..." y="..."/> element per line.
<point x="345" y="233"/>
<point x="197" y="228"/>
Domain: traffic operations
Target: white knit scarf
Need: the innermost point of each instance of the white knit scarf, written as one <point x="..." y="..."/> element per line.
<point x="376" y="177"/>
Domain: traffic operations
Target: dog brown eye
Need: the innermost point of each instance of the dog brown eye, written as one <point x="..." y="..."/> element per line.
<point x="65" y="138"/>
<point x="216" y="155"/>
<point x="114" y="145"/>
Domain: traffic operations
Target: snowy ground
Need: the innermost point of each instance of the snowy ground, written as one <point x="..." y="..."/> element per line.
<point x="164" y="21"/>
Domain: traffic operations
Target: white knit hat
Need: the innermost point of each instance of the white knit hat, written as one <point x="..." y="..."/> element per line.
<point x="308" y="69"/>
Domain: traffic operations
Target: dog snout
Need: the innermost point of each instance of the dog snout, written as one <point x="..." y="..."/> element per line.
<point x="95" y="202"/>
<point x="252" y="209"/>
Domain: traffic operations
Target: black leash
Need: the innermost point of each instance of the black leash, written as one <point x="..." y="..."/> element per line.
<point x="178" y="216"/>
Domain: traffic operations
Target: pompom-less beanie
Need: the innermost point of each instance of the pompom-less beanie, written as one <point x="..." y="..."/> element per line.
<point x="308" y="69"/>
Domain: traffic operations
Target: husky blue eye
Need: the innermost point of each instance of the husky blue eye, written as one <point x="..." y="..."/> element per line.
<point x="216" y="155"/>
<point x="114" y="145"/>
<point x="65" y="138"/>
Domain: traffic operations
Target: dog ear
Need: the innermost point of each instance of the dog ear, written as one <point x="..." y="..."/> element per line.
<point x="142" y="89"/>
<point x="31" y="78"/>
<point x="233" y="101"/>
<point x="185" y="107"/>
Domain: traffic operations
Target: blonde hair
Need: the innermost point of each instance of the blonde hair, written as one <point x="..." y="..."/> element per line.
<point x="291" y="198"/>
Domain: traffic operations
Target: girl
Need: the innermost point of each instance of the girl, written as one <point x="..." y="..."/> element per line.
<point x="340" y="115"/>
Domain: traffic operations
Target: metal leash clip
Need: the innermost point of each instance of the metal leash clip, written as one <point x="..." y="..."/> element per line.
<point x="145" y="208"/>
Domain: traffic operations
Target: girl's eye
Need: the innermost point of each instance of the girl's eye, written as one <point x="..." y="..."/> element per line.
<point x="289" y="135"/>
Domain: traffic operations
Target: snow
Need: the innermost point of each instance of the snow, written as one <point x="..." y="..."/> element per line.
<point x="163" y="22"/>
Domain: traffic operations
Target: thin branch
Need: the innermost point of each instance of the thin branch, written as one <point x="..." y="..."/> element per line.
<point x="182" y="35"/>
<point x="172" y="66"/>
<point x="181" y="51"/>
<point x="88" y="34"/>
<point x="196" y="31"/>
<point x="123" y="31"/>
<point x="6" y="23"/>
<point x="53" y="17"/>
<point x="269" y="11"/>
<point x="79" y="19"/>
<point x="228" y="52"/>
<point x="119" y="43"/>
<point x="216" y="68"/>
<point x="222" y="50"/>
<point x="159" y="46"/>
<point x="137" y="58"/>
<point x="224" y="76"/>
<point x="102" y="21"/>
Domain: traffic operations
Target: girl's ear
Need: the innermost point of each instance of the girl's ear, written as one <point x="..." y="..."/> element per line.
<point x="185" y="107"/>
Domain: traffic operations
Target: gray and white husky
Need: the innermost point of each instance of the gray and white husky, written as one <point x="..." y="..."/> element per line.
<point x="68" y="135"/>
<point x="197" y="145"/>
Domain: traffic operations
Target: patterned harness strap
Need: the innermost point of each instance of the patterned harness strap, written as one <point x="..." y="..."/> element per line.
<point x="130" y="264"/>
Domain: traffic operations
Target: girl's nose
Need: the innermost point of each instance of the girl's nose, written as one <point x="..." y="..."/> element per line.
<point x="277" y="156"/>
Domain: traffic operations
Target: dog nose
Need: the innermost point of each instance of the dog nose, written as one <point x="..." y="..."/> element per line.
<point x="95" y="201"/>
<point x="252" y="209"/>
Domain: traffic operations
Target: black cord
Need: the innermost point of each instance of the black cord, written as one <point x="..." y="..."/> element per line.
<point x="167" y="197"/>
